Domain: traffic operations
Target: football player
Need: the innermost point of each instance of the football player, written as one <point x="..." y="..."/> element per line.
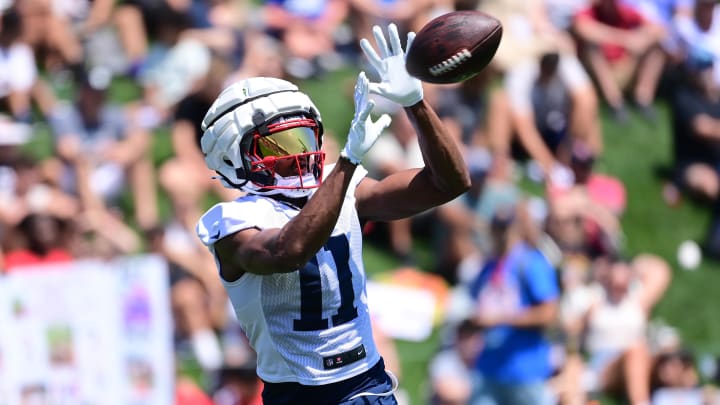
<point x="289" y="252"/>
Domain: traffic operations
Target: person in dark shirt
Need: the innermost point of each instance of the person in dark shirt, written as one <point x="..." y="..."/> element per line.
<point x="552" y="105"/>
<point x="696" y="133"/>
<point x="696" y="143"/>
<point x="185" y="177"/>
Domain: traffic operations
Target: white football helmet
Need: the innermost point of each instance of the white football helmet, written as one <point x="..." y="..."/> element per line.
<point x="259" y="126"/>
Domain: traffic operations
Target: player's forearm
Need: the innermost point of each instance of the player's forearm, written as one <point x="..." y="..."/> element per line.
<point x="443" y="158"/>
<point x="302" y="237"/>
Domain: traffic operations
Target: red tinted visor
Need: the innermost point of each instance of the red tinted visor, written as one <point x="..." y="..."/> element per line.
<point x="291" y="149"/>
<point x="293" y="141"/>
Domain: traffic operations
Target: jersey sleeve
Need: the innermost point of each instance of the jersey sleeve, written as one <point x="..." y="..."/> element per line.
<point x="227" y="218"/>
<point x="360" y="173"/>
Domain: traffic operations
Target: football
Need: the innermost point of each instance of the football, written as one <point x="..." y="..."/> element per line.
<point x="454" y="47"/>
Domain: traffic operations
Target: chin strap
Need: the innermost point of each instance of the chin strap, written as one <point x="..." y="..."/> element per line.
<point x="220" y="176"/>
<point x="261" y="178"/>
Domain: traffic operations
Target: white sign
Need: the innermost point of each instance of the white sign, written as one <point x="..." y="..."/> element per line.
<point x="87" y="333"/>
<point x="402" y="312"/>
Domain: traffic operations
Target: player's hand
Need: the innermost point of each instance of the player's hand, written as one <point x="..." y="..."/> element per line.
<point x="396" y="84"/>
<point x="363" y="131"/>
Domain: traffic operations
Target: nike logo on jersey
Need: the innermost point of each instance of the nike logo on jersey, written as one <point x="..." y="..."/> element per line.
<point x="345" y="358"/>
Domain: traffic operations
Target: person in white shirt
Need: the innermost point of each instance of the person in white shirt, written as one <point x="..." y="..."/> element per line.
<point x="18" y="71"/>
<point x="699" y="34"/>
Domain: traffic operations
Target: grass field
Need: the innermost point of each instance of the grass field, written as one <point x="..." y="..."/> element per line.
<point x="632" y="152"/>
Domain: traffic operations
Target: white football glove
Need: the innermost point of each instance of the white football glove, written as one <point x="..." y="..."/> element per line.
<point x="396" y="83"/>
<point x="363" y="131"/>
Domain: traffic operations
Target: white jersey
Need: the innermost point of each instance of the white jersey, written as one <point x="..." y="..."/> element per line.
<point x="310" y="326"/>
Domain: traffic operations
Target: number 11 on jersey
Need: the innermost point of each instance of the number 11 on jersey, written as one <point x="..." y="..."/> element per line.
<point x="311" y="289"/>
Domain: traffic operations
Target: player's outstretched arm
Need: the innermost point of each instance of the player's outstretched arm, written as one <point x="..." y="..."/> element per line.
<point x="445" y="175"/>
<point x="286" y="249"/>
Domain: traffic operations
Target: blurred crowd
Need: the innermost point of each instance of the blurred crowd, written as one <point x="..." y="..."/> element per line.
<point x="545" y="306"/>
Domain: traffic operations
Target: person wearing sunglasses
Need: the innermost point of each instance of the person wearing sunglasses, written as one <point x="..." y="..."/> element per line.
<point x="289" y="252"/>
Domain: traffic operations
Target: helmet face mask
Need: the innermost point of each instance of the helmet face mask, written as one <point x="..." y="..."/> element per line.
<point x="287" y="158"/>
<point x="263" y="136"/>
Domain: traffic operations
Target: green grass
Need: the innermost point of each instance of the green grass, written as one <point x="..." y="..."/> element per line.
<point x="632" y="152"/>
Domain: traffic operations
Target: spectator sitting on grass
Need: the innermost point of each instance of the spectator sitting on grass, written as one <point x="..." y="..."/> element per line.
<point x="695" y="112"/>
<point x="665" y="13"/>
<point x="97" y="151"/>
<point x="612" y="326"/>
<point x="529" y="34"/>
<point x="621" y="49"/>
<point x="477" y="113"/>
